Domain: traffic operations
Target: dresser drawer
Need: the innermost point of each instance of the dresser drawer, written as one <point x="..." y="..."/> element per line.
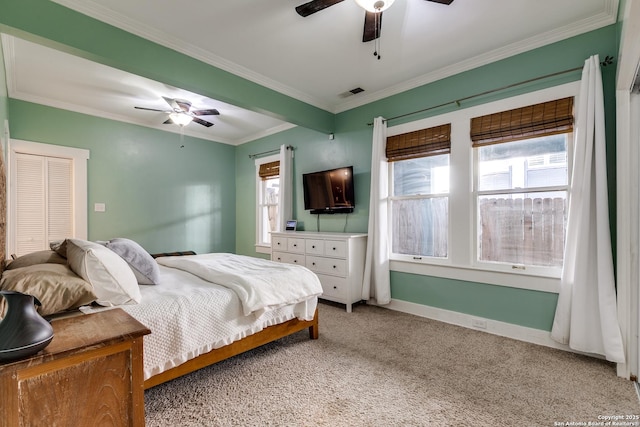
<point x="278" y="243"/>
<point x="337" y="259"/>
<point x="336" y="248"/>
<point x="333" y="287"/>
<point x="288" y="258"/>
<point x="314" y="247"/>
<point x="295" y="245"/>
<point x="337" y="267"/>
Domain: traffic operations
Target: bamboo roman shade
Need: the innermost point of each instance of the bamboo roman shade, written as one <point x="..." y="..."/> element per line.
<point x="269" y="170"/>
<point x="547" y="118"/>
<point x="420" y="143"/>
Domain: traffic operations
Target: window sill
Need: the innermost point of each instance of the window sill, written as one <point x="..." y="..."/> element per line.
<point x="475" y="274"/>
<point x="262" y="249"/>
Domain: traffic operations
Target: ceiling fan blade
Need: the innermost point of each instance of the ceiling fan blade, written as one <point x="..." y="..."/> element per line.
<point x="202" y="122"/>
<point x="184" y="105"/>
<point x="314" y="6"/>
<point x="442" y="1"/>
<point x="372" y="26"/>
<point x="174" y="105"/>
<point x="210" y="112"/>
<point x="150" y="109"/>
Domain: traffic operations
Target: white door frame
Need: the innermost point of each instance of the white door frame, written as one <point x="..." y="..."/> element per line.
<point x="628" y="181"/>
<point x="78" y="155"/>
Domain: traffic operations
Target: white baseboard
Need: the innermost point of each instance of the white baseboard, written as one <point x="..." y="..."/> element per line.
<point x="517" y="332"/>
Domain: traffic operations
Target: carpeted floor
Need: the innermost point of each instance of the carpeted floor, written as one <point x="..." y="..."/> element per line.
<point x="376" y="367"/>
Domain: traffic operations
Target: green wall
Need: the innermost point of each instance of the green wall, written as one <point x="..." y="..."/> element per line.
<point x="202" y="197"/>
<point x="163" y="196"/>
<point x="353" y="139"/>
<point x="313" y="151"/>
<point x="48" y="23"/>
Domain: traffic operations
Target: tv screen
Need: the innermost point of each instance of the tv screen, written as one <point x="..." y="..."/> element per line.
<point x="329" y="191"/>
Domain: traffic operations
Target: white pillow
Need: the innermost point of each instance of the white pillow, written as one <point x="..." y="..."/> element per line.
<point x="113" y="281"/>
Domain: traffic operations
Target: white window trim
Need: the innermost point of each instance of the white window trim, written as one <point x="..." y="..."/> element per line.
<point x="416" y="257"/>
<point x="538" y="271"/>
<point x="461" y="265"/>
<point x="79" y="157"/>
<point x="260" y="248"/>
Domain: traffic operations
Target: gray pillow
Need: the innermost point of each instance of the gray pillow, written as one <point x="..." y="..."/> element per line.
<point x="60" y="247"/>
<point x="144" y="267"/>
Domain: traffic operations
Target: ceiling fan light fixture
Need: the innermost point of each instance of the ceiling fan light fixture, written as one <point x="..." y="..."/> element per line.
<point x="375" y="6"/>
<point x="180" y="119"/>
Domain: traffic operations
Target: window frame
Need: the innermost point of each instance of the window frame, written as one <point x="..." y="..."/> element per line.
<point x="261" y="247"/>
<point x="461" y="263"/>
<point x="477" y="193"/>
<point x="431" y="195"/>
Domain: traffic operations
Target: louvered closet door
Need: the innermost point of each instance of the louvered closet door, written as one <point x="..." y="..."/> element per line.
<point x="59" y="199"/>
<point x="44" y="204"/>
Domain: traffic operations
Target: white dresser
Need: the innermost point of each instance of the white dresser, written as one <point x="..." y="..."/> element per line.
<point x="337" y="259"/>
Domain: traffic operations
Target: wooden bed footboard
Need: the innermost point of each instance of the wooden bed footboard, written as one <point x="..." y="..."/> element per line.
<point x="258" y="339"/>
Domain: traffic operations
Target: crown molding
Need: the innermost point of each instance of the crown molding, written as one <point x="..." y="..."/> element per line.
<point x="8" y="49"/>
<point x="132" y="26"/>
<point x="607" y="17"/>
<point x="173" y="129"/>
<point x="266" y="132"/>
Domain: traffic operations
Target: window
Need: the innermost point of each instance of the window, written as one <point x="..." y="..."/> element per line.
<point x="48" y="195"/>
<point x="419" y="163"/>
<point x="493" y="199"/>
<point x="268" y="191"/>
<point x="522" y="184"/>
<point x="522" y="216"/>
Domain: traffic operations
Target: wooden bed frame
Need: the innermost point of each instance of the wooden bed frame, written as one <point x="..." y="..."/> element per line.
<point x="250" y="342"/>
<point x="268" y="334"/>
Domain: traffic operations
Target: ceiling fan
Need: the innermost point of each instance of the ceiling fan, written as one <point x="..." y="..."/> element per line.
<point x="181" y="113"/>
<point x="372" y="17"/>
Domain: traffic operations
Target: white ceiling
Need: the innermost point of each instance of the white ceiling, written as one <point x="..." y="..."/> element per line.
<point x="314" y="59"/>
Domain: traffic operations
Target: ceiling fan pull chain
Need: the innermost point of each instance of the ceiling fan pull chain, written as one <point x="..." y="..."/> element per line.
<point x="377" y="35"/>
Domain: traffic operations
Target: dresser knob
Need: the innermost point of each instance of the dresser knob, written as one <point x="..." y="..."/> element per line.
<point x="313" y="246"/>
<point x="279" y="258"/>
<point x="313" y="263"/>
<point x="334" y="249"/>
<point x="334" y="266"/>
<point x="335" y="287"/>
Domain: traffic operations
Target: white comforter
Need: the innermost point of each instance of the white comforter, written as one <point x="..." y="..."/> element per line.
<point x="189" y="316"/>
<point x="260" y="284"/>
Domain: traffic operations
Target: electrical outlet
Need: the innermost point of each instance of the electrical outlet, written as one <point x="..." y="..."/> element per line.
<point x="479" y="323"/>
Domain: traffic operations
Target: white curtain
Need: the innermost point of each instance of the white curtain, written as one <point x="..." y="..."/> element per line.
<point x="285" y="194"/>
<point x="586" y="316"/>
<point x="377" y="284"/>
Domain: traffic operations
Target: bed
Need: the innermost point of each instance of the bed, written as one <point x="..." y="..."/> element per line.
<point x="197" y="315"/>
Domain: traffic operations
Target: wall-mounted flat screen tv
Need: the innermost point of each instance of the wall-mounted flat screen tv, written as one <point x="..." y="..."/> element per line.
<point x="330" y="191"/>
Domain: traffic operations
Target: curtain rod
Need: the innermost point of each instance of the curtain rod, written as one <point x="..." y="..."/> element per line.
<point x="277" y="150"/>
<point x="607" y="61"/>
